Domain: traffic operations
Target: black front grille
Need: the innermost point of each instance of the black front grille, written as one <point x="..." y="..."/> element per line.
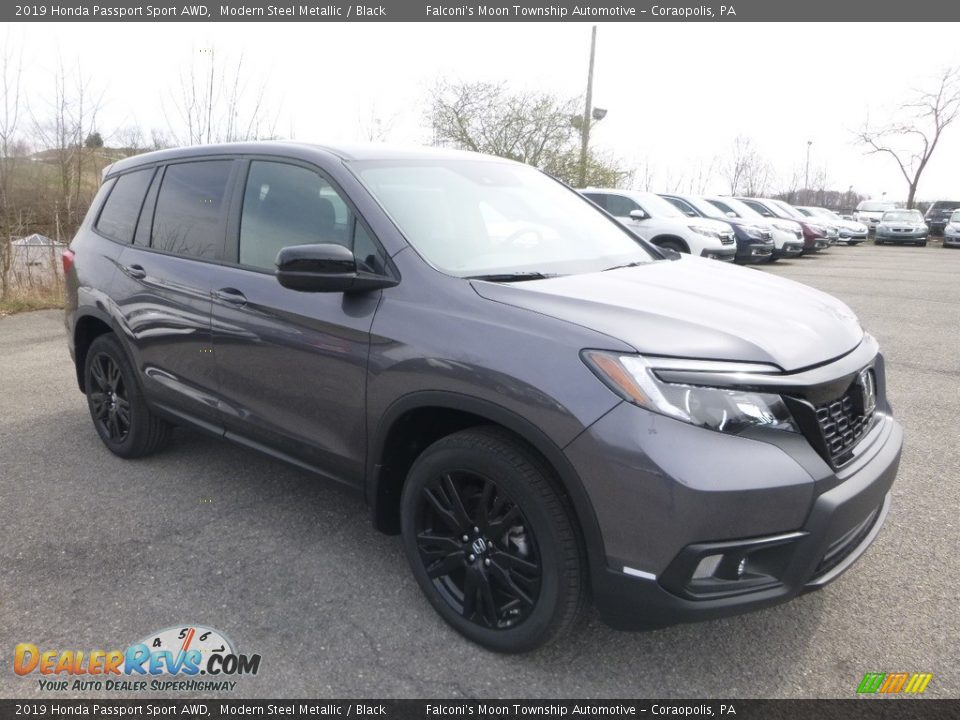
<point x="841" y="548"/>
<point x="843" y="422"/>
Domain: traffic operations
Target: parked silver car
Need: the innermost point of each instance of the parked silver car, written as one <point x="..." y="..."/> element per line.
<point x="851" y="231"/>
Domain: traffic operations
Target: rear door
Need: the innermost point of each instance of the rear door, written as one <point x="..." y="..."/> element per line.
<point x="163" y="287"/>
<point x="292" y="365"/>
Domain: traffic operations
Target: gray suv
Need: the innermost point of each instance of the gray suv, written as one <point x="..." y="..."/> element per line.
<point x="544" y="406"/>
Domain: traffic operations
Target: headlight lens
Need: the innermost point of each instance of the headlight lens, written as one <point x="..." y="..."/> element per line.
<point x="708" y="232"/>
<point x="785" y="227"/>
<point x="724" y="410"/>
<point x="817" y="229"/>
<point x="753" y="232"/>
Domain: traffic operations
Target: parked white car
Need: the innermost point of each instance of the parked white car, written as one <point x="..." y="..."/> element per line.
<point x="869" y="212"/>
<point x="851" y="231"/>
<point x="787" y="235"/>
<point x="659" y="222"/>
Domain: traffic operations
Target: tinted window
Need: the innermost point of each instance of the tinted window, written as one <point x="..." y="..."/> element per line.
<point x="119" y="215"/>
<point x="285" y="205"/>
<point x="597" y="199"/>
<point x="620" y="206"/>
<point x="188" y="219"/>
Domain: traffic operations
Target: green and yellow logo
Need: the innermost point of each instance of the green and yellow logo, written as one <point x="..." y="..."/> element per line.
<point x="894" y="683"/>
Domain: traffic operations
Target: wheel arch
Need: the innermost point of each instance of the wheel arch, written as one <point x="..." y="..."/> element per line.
<point x="684" y="245"/>
<point x="400" y="437"/>
<point x="87" y="328"/>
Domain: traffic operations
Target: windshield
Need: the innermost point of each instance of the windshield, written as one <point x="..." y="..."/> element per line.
<point x="656" y="206"/>
<point x="707" y="208"/>
<point x="873" y="206"/>
<point x="787" y="208"/>
<point x="945" y="205"/>
<point x="477" y="217"/>
<point x="903" y="216"/>
<point x="824" y="212"/>
<point x="741" y="210"/>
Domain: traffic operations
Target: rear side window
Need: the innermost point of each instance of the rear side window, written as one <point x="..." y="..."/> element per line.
<point x="189" y="217"/>
<point x="119" y="215"/>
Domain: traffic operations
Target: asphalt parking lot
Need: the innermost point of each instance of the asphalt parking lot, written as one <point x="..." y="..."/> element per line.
<point x="97" y="552"/>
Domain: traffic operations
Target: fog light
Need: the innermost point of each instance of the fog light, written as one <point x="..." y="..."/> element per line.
<point x="741" y="567"/>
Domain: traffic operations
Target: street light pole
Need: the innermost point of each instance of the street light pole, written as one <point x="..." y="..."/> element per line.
<point x="587" y="112"/>
<point x="806" y="178"/>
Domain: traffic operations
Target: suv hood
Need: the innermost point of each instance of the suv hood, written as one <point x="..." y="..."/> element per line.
<point x="696" y="308"/>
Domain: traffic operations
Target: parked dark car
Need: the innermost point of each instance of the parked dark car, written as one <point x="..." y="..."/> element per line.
<point x="543" y="406"/>
<point x="938" y="215"/>
<point x="754" y="240"/>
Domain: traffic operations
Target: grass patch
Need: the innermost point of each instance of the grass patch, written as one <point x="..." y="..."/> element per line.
<point x="44" y="298"/>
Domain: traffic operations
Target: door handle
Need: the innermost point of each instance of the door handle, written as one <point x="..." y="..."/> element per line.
<point x="231" y="295"/>
<point x="135" y="271"/>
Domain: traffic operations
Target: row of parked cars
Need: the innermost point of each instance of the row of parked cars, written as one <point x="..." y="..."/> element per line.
<point x="891" y="224"/>
<point x="757" y="230"/>
<point x="741" y="229"/>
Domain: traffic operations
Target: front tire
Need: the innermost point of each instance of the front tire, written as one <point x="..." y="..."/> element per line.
<point x="120" y="414"/>
<point x="491" y="542"/>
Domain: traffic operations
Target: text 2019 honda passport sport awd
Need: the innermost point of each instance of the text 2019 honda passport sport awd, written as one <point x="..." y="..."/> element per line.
<point x="542" y="405"/>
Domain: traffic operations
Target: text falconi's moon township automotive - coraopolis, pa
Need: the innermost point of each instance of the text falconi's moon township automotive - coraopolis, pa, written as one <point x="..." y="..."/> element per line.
<point x="556" y="11"/>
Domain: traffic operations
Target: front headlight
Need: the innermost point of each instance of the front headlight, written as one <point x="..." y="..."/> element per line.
<point x="754" y="232"/>
<point x="634" y="378"/>
<point x="785" y="227"/>
<point x="817" y="229"/>
<point x="706" y="231"/>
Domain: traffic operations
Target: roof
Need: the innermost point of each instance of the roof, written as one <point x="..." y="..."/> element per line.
<point x="299" y="150"/>
<point x="35" y="240"/>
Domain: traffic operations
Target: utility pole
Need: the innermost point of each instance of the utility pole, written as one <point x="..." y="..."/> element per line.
<point x="587" y="112"/>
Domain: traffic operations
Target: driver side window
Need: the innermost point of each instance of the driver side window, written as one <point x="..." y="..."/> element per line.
<point x="621" y="206"/>
<point x="286" y="205"/>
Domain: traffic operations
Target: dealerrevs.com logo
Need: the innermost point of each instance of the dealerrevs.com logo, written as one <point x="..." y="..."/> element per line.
<point x="169" y="660"/>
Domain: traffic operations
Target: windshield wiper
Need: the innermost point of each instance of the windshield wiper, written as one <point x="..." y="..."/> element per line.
<point x="638" y="263"/>
<point x="512" y="277"/>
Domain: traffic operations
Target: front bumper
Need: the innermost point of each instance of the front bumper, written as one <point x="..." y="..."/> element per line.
<point x="725" y="254"/>
<point x="789" y="249"/>
<point x="951" y="240"/>
<point x="667" y="495"/>
<point x="910" y="237"/>
<point x="754" y="251"/>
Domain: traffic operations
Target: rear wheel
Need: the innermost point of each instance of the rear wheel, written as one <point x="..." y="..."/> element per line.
<point x="120" y="414"/>
<point x="491" y="542"/>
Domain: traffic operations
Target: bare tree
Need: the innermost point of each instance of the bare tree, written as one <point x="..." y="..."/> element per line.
<point x="374" y="127"/>
<point x="219" y="102"/>
<point x="747" y="172"/>
<point x="11" y="70"/>
<point x="912" y="138"/>
<point x="533" y="128"/>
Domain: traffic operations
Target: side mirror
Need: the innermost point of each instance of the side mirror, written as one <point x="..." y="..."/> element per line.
<point x="326" y="267"/>
<point x="638" y="215"/>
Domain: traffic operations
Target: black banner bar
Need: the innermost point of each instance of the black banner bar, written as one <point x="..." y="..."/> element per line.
<point x="473" y="11"/>
<point x="50" y="708"/>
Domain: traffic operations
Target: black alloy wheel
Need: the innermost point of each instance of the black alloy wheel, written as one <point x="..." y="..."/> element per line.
<point x="478" y="549"/>
<point x="108" y="398"/>
<point x="120" y="414"/>
<point x="492" y="543"/>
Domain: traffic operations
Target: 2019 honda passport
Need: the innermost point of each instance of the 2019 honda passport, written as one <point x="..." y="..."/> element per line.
<point x="543" y="405"/>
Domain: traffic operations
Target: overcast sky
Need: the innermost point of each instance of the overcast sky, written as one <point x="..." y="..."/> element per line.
<point x="677" y="94"/>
